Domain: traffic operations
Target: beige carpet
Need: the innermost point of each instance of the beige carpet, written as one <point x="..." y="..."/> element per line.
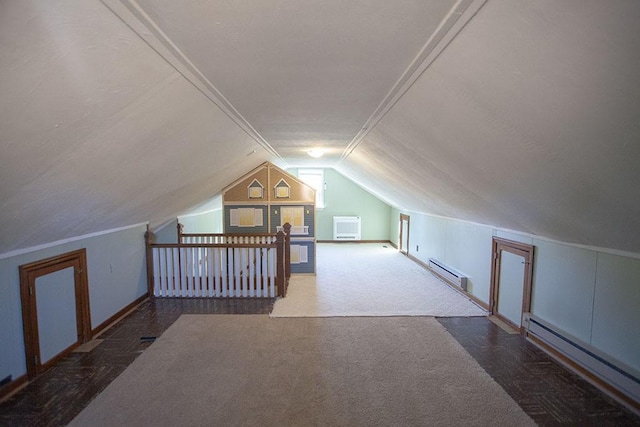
<point x="370" y="280"/>
<point x="221" y="370"/>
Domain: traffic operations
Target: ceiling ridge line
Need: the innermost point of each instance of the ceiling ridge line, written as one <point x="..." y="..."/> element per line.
<point x="435" y="45"/>
<point x="132" y="15"/>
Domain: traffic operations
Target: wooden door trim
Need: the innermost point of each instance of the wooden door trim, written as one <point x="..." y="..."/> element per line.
<point x="527" y="252"/>
<point x="28" y="275"/>
<point x="408" y="219"/>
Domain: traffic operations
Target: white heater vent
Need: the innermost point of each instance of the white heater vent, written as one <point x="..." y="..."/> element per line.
<point x="448" y="273"/>
<point x="614" y="372"/>
<point x="346" y="228"/>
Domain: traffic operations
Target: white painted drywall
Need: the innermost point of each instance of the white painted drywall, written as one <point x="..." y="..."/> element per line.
<point x="463" y="246"/>
<point x="427" y="237"/>
<point x="207" y="222"/>
<point x="616" y="308"/>
<point x="564" y="280"/>
<point x="56" y="312"/>
<point x="511" y="287"/>
<point x="469" y="251"/>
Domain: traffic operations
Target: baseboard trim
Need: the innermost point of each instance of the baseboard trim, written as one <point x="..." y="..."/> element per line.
<point x="607" y="388"/>
<point x="118" y="316"/>
<point x="472" y="297"/>
<point x="14" y="386"/>
<point x="9" y="389"/>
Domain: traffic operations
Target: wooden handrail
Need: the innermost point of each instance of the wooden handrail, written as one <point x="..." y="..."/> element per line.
<point x="287" y="229"/>
<point x="213" y="245"/>
<point x="227" y="234"/>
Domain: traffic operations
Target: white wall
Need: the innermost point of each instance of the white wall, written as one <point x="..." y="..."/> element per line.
<point x="116" y="273"/>
<point x="464" y="246"/>
<point x="167" y="233"/>
<point x="564" y="280"/>
<point x="590" y="293"/>
<point x="616" y="308"/>
<point x="394" y="225"/>
<point x="205" y="218"/>
<point x="206" y="222"/>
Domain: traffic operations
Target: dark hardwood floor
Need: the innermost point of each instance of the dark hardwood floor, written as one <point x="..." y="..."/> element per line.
<point x="60" y="393"/>
<point x="550" y="394"/>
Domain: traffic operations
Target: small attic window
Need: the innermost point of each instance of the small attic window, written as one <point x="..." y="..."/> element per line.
<point x="282" y="190"/>
<point x="315" y="179"/>
<point x="256" y="190"/>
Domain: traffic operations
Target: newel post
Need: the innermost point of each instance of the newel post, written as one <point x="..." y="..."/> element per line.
<point x="280" y="259"/>
<point x="180" y="227"/>
<point x="149" y="239"/>
<point x="287" y="250"/>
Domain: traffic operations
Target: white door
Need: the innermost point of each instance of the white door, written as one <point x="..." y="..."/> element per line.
<point x="56" y="308"/>
<point x="404" y="234"/>
<point x="511" y="285"/>
<point x="511" y="280"/>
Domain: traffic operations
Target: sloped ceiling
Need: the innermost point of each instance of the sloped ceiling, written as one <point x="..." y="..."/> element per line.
<point x="522" y="115"/>
<point x="529" y="120"/>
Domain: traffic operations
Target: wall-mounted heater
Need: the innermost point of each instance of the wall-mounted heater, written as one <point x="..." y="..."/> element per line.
<point x="616" y="373"/>
<point x="448" y="273"/>
<point x="346" y="228"/>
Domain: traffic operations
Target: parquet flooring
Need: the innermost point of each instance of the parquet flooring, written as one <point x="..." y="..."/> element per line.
<point x="549" y="393"/>
<point x="546" y="391"/>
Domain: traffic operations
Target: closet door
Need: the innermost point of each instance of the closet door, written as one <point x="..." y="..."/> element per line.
<point x="55" y="308"/>
<point x="511" y="281"/>
<point x="55" y="302"/>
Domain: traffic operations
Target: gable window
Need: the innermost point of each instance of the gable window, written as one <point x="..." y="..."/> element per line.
<point x="283" y="191"/>
<point x="315" y="179"/>
<point x="255" y="190"/>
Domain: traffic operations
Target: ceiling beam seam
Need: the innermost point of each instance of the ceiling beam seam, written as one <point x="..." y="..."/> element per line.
<point x="134" y="17"/>
<point x="457" y="18"/>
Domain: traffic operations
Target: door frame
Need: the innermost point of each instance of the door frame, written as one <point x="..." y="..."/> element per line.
<point x="28" y="275"/>
<point x="521" y="249"/>
<point x="404" y="217"/>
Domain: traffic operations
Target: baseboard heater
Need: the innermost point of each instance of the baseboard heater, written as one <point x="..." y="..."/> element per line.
<point x="346" y="228"/>
<point x="448" y="273"/>
<point x="622" y="377"/>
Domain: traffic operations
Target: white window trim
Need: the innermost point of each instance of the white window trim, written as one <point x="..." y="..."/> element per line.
<point x="319" y="189"/>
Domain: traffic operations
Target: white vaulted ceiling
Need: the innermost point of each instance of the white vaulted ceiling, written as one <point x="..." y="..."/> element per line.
<point x="517" y="114"/>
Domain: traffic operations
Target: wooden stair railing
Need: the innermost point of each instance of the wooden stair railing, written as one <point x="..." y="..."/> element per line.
<point x="219" y="265"/>
<point x="237" y="238"/>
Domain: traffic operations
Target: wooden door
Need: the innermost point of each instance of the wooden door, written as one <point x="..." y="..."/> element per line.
<point x="511" y="281"/>
<point x="55" y="308"/>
